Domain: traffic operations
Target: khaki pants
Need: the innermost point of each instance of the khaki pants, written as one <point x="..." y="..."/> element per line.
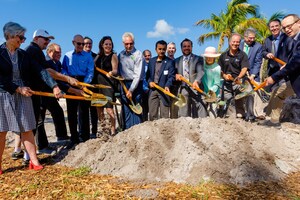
<point x="277" y="98"/>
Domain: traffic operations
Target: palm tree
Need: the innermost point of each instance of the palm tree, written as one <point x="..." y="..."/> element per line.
<point x="227" y="22"/>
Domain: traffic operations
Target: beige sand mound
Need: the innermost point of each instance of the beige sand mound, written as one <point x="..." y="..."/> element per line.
<point x="188" y="150"/>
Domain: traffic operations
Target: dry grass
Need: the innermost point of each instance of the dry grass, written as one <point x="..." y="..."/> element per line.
<point x="58" y="182"/>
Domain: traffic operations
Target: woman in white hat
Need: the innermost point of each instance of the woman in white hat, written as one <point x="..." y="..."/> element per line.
<point x="212" y="75"/>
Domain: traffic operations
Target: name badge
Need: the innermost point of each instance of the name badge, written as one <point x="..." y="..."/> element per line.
<point x="166" y="72"/>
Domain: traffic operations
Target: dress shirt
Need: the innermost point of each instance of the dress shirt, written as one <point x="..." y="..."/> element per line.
<point x="131" y="67"/>
<point x="78" y="64"/>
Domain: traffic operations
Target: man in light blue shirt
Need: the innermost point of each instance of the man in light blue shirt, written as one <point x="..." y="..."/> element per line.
<point x="80" y="65"/>
<point x="131" y="69"/>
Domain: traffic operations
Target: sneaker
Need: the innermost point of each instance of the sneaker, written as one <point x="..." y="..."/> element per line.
<point x="63" y="138"/>
<point x="47" y="151"/>
<point x="17" y="155"/>
<point x="25" y="162"/>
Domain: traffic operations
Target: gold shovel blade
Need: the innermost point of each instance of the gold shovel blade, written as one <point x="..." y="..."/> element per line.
<point x="98" y="102"/>
<point x="181" y="101"/>
<point x="136" y="108"/>
<point x="211" y="97"/>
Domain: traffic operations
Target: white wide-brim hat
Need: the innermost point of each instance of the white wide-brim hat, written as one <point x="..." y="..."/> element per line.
<point x="211" y="52"/>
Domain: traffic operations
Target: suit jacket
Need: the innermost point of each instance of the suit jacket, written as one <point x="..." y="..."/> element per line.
<point x="29" y="71"/>
<point x="166" y="76"/>
<point x="255" y="58"/>
<point x="195" y="67"/>
<point x="292" y="69"/>
<point x="283" y="52"/>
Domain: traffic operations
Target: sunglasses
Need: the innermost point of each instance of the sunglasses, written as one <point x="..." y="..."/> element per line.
<point x="79" y="43"/>
<point x="21" y="37"/>
<point x="88" y="43"/>
<point x="126" y="44"/>
<point x="45" y="38"/>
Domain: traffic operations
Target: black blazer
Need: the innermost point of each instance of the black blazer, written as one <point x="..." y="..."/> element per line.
<point x="166" y="75"/>
<point x="29" y="71"/>
<point x="292" y="69"/>
<point x="284" y="51"/>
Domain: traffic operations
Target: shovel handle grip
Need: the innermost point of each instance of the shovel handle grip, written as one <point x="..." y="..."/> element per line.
<point x="279" y="61"/>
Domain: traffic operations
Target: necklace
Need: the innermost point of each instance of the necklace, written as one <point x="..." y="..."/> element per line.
<point x="13" y="57"/>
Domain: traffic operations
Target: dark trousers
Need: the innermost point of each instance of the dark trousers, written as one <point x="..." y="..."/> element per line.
<point x="82" y="108"/>
<point x="39" y="133"/>
<point x="145" y="106"/>
<point x="93" y="118"/>
<point x="57" y="114"/>
<point x="128" y="116"/>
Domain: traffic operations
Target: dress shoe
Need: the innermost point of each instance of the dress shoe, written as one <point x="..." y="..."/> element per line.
<point x="71" y="145"/>
<point x="269" y="123"/>
<point x="35" y="167"/>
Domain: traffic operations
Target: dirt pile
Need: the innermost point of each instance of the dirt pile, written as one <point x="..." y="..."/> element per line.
<point x="189" y="150"/>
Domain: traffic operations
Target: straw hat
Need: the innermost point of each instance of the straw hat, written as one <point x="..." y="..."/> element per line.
<point x="211" y="52"/>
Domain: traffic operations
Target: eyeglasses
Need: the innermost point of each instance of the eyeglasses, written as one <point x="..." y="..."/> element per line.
<point x="126" y="44"/>
<point x="45" y="38"/>
<point x="289" y="26"/>
<point x="22" y="37"/>
<point x="79" y="43"/>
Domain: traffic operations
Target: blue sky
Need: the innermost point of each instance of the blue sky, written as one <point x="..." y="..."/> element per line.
<point x="149" y="20"/>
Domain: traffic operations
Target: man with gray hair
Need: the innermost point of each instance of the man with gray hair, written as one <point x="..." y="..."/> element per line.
<point x="234" y="65"/>
<point x="131" y="69"/>
<point x="253" y="50"/>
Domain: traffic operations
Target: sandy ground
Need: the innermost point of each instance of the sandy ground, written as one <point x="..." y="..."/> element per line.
<point x="187" y="150"/>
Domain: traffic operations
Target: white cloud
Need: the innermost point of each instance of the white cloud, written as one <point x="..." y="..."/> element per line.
<point x="163" y="29"/>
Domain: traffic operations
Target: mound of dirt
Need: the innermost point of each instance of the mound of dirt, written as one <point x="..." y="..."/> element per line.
<point x="187" y="150"/>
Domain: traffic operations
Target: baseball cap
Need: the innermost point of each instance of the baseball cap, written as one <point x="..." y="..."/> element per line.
<point x="42" y="33"/>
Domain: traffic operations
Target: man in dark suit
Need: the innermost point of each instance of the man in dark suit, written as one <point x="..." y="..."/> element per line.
<point x="190" y="66"/>
<point x="162" y="72"/>
<point x="291" y="26"/>
<point x="282" y="49"/>
<point x="253" y="50"/>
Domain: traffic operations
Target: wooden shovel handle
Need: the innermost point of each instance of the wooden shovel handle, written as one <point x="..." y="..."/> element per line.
<point x="164" y="91"/>
<point x="125" y="89"/>
<point x="191" y="85"/>
<point x="279" y="61"/>
<point x="105" y="73"/>
<point x="66" y="96"/>
<point x="86" y="84"/>
<point x="260" y="86"/>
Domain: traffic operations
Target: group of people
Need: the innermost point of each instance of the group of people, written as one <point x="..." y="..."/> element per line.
<point x="22" y="72"/>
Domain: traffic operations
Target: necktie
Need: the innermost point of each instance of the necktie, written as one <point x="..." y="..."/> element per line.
<point x="186" y="70"/>
<point x="246" y="48"/>
<point x="273" y="47"/>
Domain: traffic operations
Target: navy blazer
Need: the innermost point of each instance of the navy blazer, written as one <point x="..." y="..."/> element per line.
<point x="283" y="52"/>
<point x="292" y="69"/>
<point x="29" y="71"/>
<point x="255" y="58"/>
<point x="166" y="76"/>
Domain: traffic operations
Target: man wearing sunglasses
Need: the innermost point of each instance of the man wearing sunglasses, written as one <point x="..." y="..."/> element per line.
<point x="80" y="65"/>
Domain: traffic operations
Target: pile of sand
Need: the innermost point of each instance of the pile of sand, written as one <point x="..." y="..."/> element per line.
<point x="189" y="150"/>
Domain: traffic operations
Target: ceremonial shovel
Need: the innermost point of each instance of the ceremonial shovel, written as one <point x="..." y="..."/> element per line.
<point x="181" y="101"/>
<point x="135" y="108"/>
<point x="211" y="97"/>
<point x="94" y="101"/>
